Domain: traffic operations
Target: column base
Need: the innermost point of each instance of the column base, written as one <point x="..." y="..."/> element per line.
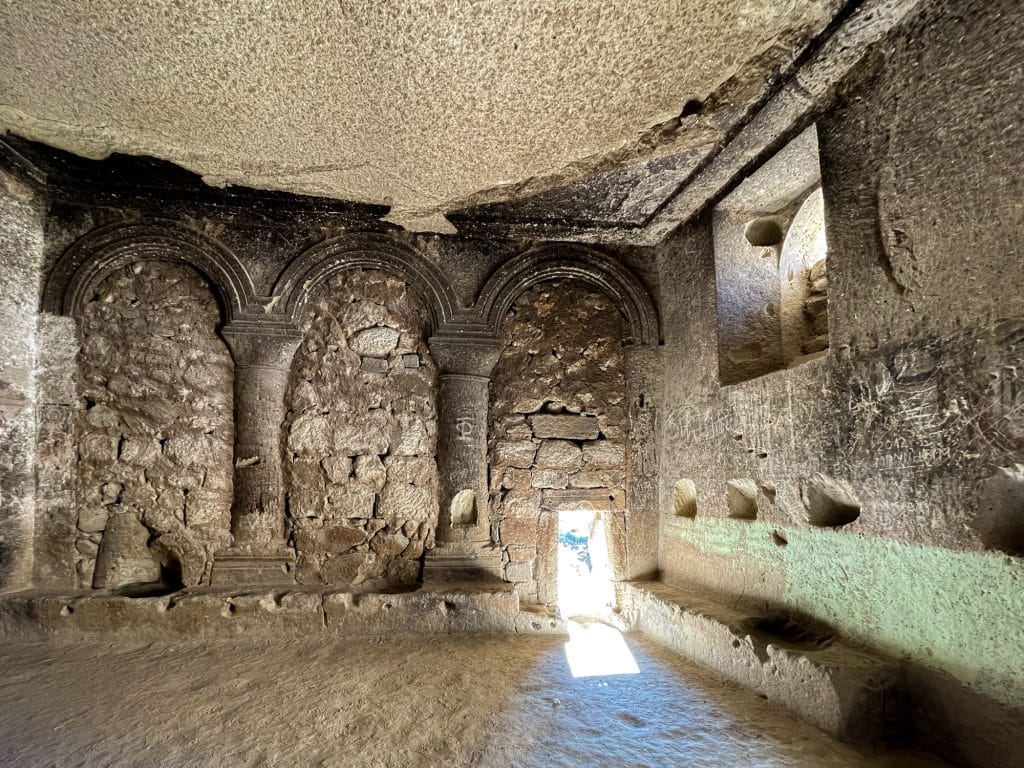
<point x="463" y="561"/>
<point x="238" y="567"/>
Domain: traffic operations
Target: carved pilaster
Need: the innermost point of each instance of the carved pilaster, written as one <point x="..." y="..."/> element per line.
<point x="463" y="536"/>
<point x="641" y="523"/>
<point x="262" y="349"/>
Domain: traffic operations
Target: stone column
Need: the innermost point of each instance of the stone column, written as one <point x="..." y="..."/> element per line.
<point x="262" y="351"/>
<point x="641" y="523"/>
<point x="464" y="546"/>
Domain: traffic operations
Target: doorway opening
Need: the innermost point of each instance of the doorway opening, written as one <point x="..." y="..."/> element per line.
<point x="584" y="579"/>
<point x="596" y="647"/>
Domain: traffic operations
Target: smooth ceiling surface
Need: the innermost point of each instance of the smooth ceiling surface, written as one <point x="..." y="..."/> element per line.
<point x="424" y="106"/>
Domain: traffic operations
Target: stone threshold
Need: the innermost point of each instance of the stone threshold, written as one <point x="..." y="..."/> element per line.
<point x="268" y="612"/>
<point x="840" y="688"/>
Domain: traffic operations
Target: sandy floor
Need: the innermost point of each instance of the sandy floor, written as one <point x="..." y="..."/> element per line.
<point x="504" y="701"/>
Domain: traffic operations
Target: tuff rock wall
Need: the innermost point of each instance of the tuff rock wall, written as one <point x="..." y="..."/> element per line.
<point x="22" y="214"/>
<point x="557" y="425"/>
<point x="154" y="433"/>
<point x="361" y="434"/>
<point x="879" y="488"/>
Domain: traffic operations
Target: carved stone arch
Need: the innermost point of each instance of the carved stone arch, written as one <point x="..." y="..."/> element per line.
<point x="365" y="251"/>
<point x="95" y="255"/>
<point x="572" y="262"/>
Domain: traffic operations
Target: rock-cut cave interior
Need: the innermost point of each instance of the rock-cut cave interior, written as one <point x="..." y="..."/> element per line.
<point x="503" y="383"/>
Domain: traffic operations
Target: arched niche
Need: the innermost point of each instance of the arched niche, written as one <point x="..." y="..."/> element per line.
<point x="155" y="430"/>
<point x="71" y="280"/>
<point x="357" y="251"/>
<point x="578" y="264"/>
<point x="558" y="423"/>
<point x="360" y="432"/>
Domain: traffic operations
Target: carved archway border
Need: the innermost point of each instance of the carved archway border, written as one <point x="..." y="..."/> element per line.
<point x="365" y="251"/>
<point x="573" y="262"/>
<point x="96" y="254"/>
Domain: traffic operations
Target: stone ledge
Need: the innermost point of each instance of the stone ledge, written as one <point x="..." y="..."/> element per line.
<point x="835" y="686"/>
<point x="441" y="608"/>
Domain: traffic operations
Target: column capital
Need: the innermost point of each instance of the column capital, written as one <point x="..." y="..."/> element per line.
<point x="465" y="355"/>
<point x="265" y="342"/>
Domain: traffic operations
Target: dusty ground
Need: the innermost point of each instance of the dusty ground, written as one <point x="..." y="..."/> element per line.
<point x="462" y="701"/>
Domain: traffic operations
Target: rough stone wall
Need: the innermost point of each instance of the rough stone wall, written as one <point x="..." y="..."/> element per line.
<point x="361" y="434"/>
<point x="913" y="419"/>
<point x="155" y="430"/>
<point x="557" y="424"/>
<point x="21" y="240"/>
<point x="55" y="556"/>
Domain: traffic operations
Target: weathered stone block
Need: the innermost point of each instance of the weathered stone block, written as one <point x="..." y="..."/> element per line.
<point x="190" y="450"/>
<point x="521" y="554"/>
<point x="418" y="470"/>
<point x="359" y="439"/>
<point x="518" y="454"/>
<point x="550" y="478"/>
<point x="91" y="519"/>
<point x="518" y="530"/>
<point x="601" y="478"/>
<point x="604" y="454"/>
<point x="140" y="451"/>
<point x="307" y="569"/>
<point x="400" y="502"/>
<point x="516" y="479"/>
<point x="374" y="342"/>
<point x="337" y="468"/>
<point x="523" y="503"/>
<point x="98" y="449"/>
<point x="413" y="436"/>
<point x="370" y="471"/>
<point x="342" y="569"/>
<point x="564" y="426"/>
<point x="559" y="454"/>
<point x="519" y="571"/>
<point x="375" y="364"/>
<point x="527" y="404"/>
<point x="402" y="571"/>
<point x="207" y="509"/>
<point x="514" y="428"/>
<point x="388" y="545"/>
<point x="351" y="500"/>
<point x="339" y="537"/>
<point x="309" y="537"/>
<point x="309" y="434"/>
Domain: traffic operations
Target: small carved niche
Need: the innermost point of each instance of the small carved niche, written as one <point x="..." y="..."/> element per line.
<point x="684" y="498"/>
<point x="741" y="498"/>
<point x="463" y="508"/>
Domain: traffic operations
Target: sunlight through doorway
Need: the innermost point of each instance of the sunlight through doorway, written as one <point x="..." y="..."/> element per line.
<point x="584" y="580"/>
<point x="585" y="598"/>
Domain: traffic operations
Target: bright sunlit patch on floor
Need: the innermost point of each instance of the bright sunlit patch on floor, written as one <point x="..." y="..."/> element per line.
<point x="597" y="650"/>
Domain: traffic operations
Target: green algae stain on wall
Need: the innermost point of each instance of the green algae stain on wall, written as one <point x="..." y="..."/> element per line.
<point x="958" y="612"/>
<point x="961" y="613"/>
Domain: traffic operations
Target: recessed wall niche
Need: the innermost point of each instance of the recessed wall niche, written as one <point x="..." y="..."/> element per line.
<point x="770" y="248"/>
